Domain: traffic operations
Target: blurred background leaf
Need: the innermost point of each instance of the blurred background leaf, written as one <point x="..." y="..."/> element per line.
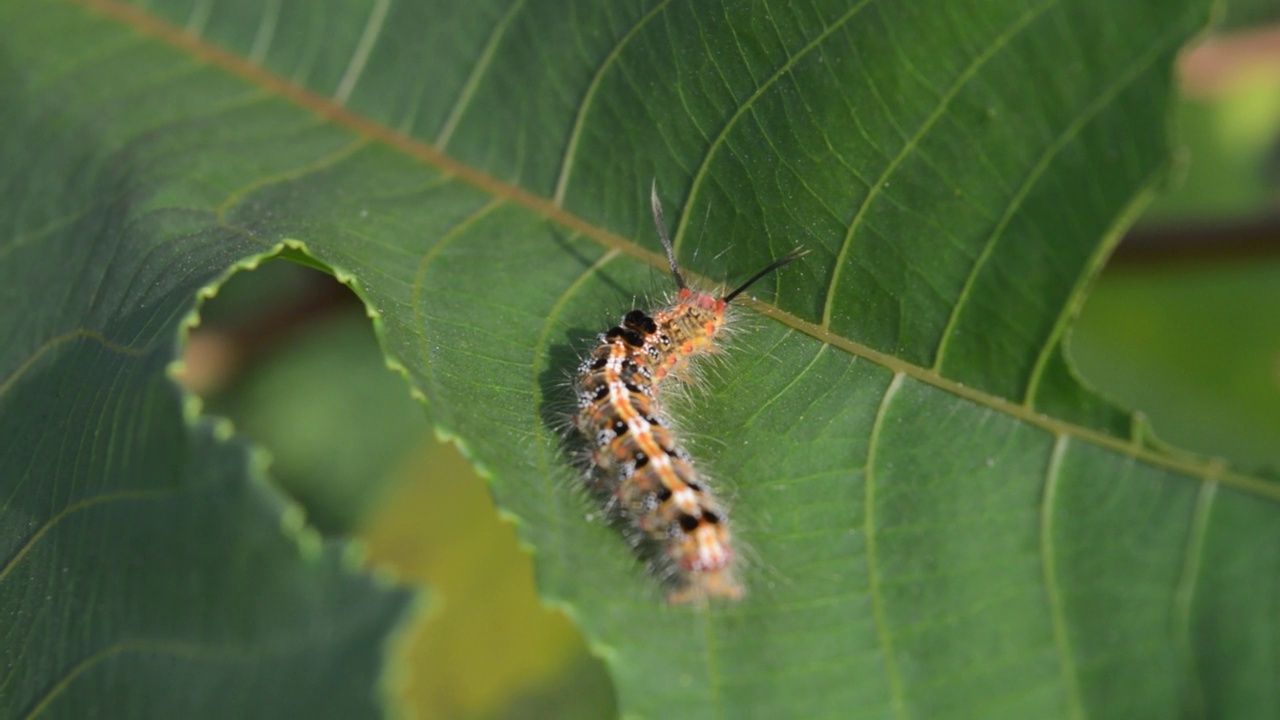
<point x="1098" y="570"/>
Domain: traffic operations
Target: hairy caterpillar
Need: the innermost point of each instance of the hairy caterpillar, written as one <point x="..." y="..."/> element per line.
<point x="636" y="458"/>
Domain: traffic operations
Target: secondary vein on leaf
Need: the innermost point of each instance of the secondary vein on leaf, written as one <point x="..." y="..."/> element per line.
<point x="869" y="534"/>
<point x="199" y="17"/>
<point x="176" y="648"/>
<point x="1126" y="218"/>
<point x="801" y="373"/>
<point x="360" y="56"/>
<point x="1049" y="568"/>
<point x="55" y="341"/>
<point x="55" y="224"/>
<point x="326" y="161"/>
<point x="1184" y="595"/>
<point x="477" y="73"/>
<point x="913" y="143"/>
<point x="1075" y="300"/>
<point x="266" y="31"/>
<point x="580" y="117"/>
<point x="1069" y="133"/>
<point x="746" y="105"/>
<point x="415" y="293"/>
<point x="72" y="509"/>
<point x="144" y="22"/>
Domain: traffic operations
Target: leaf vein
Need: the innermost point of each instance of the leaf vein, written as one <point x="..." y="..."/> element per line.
<point x="873" y="571"/>
<point x="1072" y="307"/>
<point x="427" y="258"/>
<point x="266" y="32"/>
<point x="145" y="22"/>
<point x="801" y="373"/>
<point x="326" y="161"/>
<point x="174" y="648"/>
<point x="55" y="341"/>
<point x="72" y="509"/>
<point x="1061" y="636"/>
<point x="1184" y="596"/>
<point x="1059" y="143"/>
<point x="199" y="17"/>
<point x="364" y="47"/>
<point x="473" y="78"/>
<point x="913" y="143"/>
<point x="701" y="173"/>
<point x="584" y="106"/>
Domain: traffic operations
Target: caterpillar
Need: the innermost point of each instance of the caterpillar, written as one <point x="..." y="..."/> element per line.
<point x="636" y="460"/>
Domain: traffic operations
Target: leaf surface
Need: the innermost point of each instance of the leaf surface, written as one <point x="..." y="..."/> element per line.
<point x="944" y="523"/>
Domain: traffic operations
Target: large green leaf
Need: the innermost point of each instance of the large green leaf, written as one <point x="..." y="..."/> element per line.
<point x="944" y="523"/>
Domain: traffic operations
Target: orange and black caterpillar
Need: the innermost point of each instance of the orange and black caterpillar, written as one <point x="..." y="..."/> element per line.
<point x="635" y="458"/>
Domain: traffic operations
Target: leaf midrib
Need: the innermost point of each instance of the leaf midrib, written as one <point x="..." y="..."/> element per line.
<point x="1206" y="470"/>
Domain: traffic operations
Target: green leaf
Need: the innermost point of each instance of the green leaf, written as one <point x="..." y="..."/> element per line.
<point x="149" y="572"/>
<point x="944" y="523"/>
<point x="146" y="567"/>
